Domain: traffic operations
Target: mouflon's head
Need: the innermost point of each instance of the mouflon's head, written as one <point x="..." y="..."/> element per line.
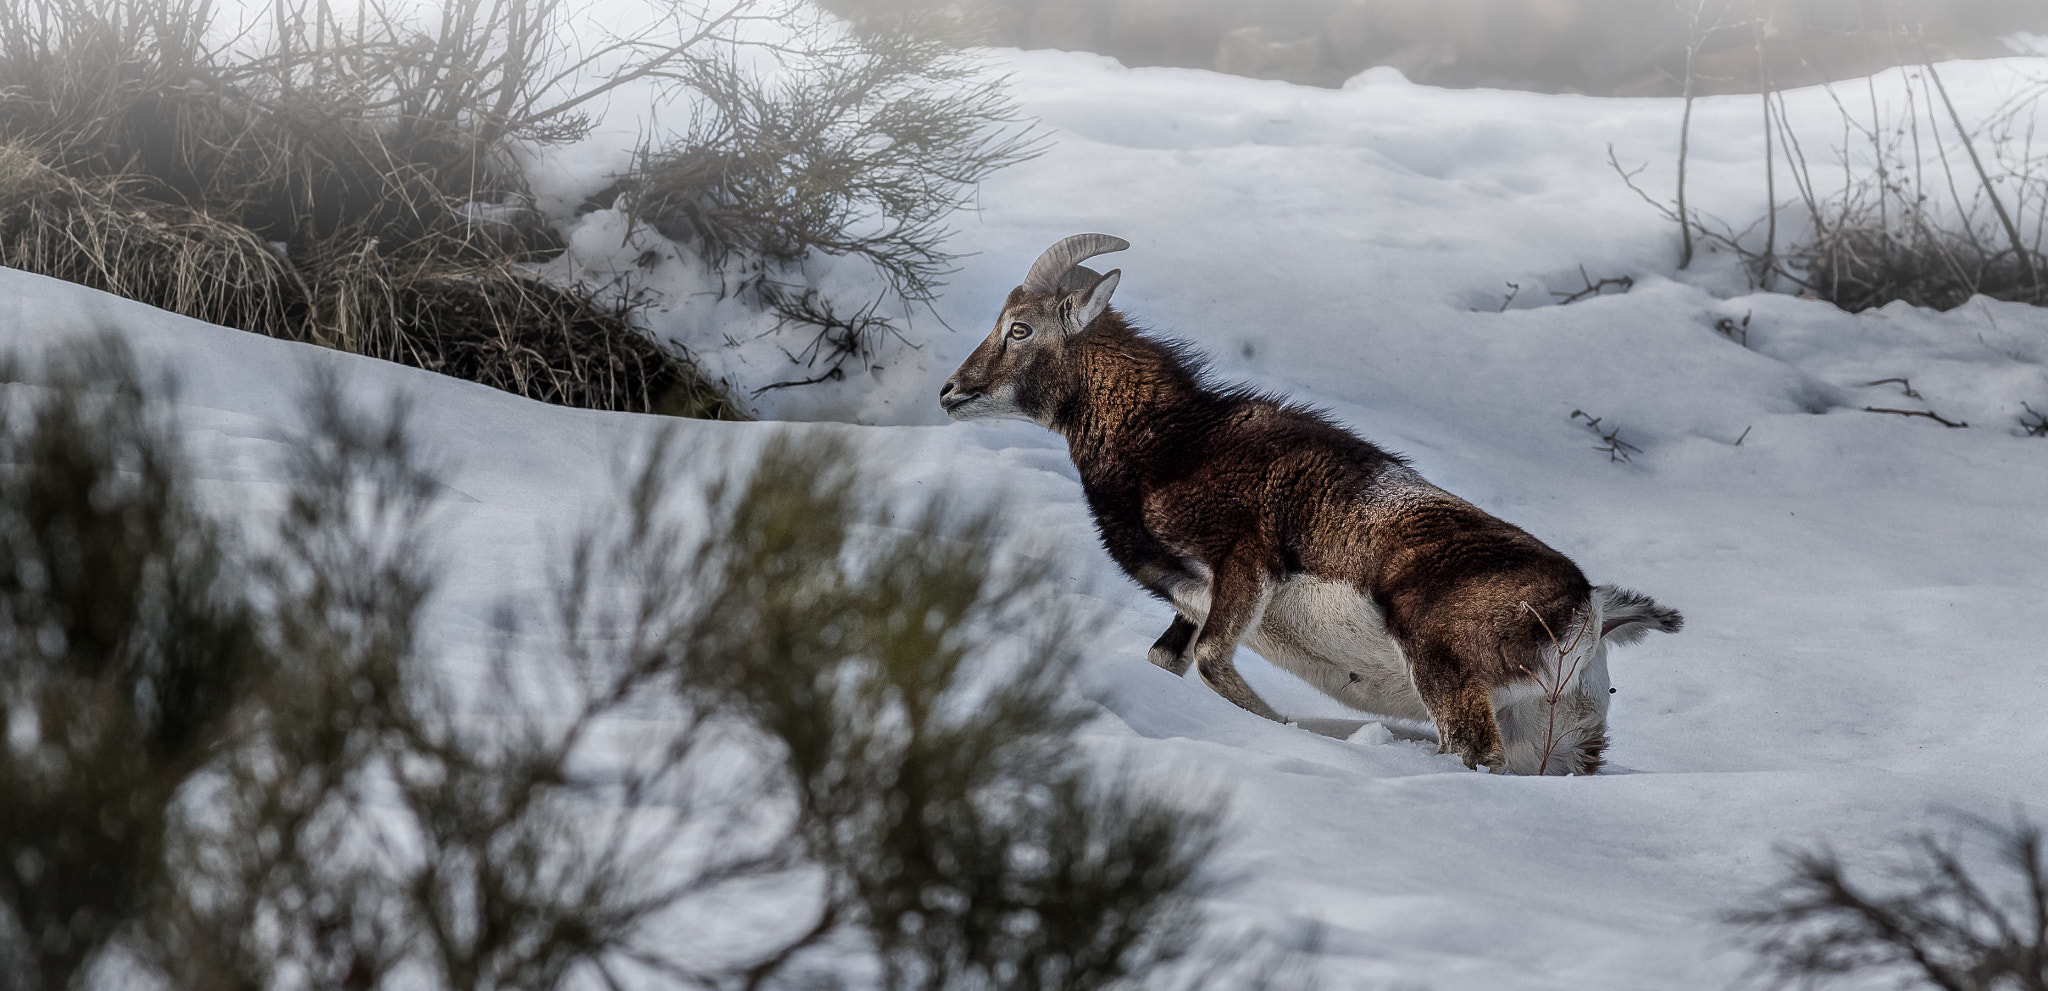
<point x="1018" y="372"/>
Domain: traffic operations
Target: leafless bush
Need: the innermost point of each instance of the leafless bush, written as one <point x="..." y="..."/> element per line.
<point x="244" y="765"/>
<point x="861" y="145"/>
<point x="1929" y="208"/>
<point x="1966" y="912"/>
<point x="1943" y="210"/>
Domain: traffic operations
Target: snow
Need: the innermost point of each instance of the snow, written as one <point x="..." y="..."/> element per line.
<point x="1863" y="592"/>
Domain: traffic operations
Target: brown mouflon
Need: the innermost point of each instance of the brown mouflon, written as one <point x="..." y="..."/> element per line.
<point x="1263" y="523"/>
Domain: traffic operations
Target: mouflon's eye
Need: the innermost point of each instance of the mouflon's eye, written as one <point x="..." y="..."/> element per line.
<point x="1019" y="331"/>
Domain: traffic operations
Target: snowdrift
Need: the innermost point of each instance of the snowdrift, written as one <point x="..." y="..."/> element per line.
<point x="1863" y="591"/>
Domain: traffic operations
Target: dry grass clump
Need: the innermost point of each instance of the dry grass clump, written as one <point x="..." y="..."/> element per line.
<point x="1861" y="267"/>
<point x="347" y="182"/>
<point x="1933" y="209"/>
<point x="98" y="233"/>
<point x="483" y="320"/>
<point x="490" y="323"/>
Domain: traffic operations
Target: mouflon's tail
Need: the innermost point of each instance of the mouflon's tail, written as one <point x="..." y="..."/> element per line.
<point x="1627" y="615"/>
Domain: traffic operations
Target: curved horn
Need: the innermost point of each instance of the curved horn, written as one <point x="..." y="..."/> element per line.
<point x="1049" y="272"/>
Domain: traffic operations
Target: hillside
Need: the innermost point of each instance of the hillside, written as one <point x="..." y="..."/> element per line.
<point x="1863" y="591"/>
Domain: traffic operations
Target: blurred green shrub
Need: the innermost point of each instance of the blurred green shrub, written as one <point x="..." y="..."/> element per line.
<point x="777" y="757"/>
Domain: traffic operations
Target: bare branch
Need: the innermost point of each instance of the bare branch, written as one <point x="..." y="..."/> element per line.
<point x="1936" y="417"/>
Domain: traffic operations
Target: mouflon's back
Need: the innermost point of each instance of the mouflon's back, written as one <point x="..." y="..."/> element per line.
<point x="1263" y="521"/>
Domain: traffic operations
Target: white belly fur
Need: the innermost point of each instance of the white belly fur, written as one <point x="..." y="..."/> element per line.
<point x="1334" y="638"/>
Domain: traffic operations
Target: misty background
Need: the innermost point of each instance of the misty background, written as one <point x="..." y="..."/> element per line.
<point x="1596" y="47"/>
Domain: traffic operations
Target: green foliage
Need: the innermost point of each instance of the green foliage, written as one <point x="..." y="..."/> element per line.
<point x="233" y="768"/>
<point x="126" y="637"/>
<point x="265" y="882"/>
<point x="961" y="830"/>
<point x="1936" y="915"/>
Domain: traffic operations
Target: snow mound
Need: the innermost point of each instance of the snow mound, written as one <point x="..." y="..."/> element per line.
<point x="1862" y="590"/>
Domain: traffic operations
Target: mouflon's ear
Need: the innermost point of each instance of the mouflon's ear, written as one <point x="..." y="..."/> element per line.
<point x="1091" y="300"/>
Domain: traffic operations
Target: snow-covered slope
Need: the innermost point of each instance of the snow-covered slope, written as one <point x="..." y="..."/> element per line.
<point x="1864" y="592"/>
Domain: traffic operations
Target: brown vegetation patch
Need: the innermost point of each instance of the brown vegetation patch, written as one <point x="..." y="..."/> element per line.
<point x="348" y="184"/>
<point x="493" y="324"/>
<point x="99" y="234"/>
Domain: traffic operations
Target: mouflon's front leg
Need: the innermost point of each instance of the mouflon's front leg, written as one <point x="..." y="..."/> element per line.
<point x="1237" y="599"/>
<point x="1460" y="703"/>
<point x="1170" y="651"/>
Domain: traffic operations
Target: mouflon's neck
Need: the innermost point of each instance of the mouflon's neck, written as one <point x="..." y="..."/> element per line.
<point x="1128" y="387"/>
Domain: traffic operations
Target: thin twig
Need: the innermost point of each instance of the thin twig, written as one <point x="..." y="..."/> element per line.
<point x="1736" y="331"/>
<point x="1554" y="693"/>
<point x="1763" y="275"/>
<point x="832" y="374"/>
<point x="1936" y="417"/>
<point x="1592" y="288"/>
<point x="2012" y="230"/>
<point x="1684" y="148"/>
<point x="1728" y="240"/>
<point x="1616" y="449"/>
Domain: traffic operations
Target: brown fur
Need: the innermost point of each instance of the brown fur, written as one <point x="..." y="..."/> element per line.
<point x="1194" y="487"/>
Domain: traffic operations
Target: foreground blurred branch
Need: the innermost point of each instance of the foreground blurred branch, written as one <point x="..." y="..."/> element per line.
<point x="803" y="747"/>
<point x="126" y="634"/>
<point x="1967" y="912"/>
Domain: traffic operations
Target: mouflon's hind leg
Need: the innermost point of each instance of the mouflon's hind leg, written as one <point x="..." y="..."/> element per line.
<point x="1237" y="598"/>
<point x="1461" y="704"/>
<point x="1170" y="651"/>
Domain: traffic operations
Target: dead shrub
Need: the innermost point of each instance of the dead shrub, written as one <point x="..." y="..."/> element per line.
<point x="1934" y="209"/>
<point x="1921" y="206"/>
<point x="859" y="146"/>
<point x="343" y="146"/>
<point x="494" y="324"/>
<point x="337" y="183"/>
<point x="99" y="233"/>
<point x="1963" y="912"/>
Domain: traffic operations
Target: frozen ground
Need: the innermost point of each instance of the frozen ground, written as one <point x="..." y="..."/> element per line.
<point x="1864" y="592"/>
